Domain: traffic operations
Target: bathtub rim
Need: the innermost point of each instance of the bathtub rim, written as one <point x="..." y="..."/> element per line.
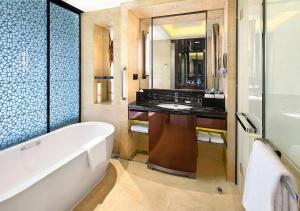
<point x="41" y="175"/>
<point x="110" y="126"/>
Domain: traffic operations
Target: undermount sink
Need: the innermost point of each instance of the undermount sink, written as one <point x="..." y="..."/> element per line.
<point x="174" y="106"/>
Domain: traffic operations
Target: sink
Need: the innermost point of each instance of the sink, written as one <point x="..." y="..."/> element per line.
<point x="174" y="106"/>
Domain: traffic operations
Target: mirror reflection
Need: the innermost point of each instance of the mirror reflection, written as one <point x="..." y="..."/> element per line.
<point x="187" y="51"/>
<point x="179" y="44"/>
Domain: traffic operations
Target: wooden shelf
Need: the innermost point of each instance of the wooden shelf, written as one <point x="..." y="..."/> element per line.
<point x="104" y="77"/>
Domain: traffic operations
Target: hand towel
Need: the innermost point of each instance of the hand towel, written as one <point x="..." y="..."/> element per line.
<point x="219" y="96"/>
<point x="264" y="190"/>
<point x="141" y="128"/>
<point x="96" y="152"/>
<point x="209" y="96"/>
<point x="203" y="136"/>
<point x="216" y="138"/>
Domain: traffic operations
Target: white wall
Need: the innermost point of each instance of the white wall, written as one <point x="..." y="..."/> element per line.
<point x="116" y="112"/>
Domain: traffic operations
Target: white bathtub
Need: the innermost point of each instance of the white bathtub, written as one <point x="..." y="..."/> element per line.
<point x="51" y="172"/>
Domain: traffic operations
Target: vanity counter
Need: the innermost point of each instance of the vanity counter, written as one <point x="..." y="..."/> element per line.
<point x="151" y="106"/>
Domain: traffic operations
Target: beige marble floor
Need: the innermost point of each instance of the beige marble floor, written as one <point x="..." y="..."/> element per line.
<point x="133" y="187"/>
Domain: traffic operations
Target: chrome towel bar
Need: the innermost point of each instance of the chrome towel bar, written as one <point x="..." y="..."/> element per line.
<point x="291" y="190"/>
<point x="252" y="128"/>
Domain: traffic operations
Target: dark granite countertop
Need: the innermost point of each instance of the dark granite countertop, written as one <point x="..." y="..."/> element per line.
<point x="151" y="105"/>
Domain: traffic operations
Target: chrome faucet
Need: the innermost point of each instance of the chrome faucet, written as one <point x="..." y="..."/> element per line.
<point x="199" y="101"/>
<point x="28" y="146"/>
<point x="176" y="97"/>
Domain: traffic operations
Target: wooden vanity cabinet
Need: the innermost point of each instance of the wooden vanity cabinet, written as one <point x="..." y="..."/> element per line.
<point x="212" y="123"/>
<point x="172" y="143"/>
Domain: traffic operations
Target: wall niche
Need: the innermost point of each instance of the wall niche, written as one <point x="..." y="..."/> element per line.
<point x="103" y="64"/>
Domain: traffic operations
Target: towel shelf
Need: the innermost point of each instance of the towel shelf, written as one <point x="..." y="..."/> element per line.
<point x="137" y="126"/>
<point x="284" y="180"/>
<point x="210" y="132"/>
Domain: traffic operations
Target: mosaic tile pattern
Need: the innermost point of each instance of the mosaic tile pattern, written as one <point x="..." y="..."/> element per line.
<point x="64" y="67"/>
<point x="23" y="71"/>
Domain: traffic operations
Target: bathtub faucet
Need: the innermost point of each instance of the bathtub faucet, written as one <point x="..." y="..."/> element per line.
<point x="28" y="146"/>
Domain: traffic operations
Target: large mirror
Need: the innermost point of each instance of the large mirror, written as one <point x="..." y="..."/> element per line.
<point x="187" y="50"/>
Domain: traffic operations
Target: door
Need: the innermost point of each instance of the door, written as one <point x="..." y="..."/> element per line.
<point x="279" y="107"/>
<point x="282" y="102"/>
<point x="250" y="86"/>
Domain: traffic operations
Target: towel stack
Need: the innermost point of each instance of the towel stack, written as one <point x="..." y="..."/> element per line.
<point x="216" y="96"/>
<point x="210" y="137"/>
<point x="209" y="96"/>
<point x="139" y="127"/>
<point x="203" y="136"/>
<point x="219" y="96"/>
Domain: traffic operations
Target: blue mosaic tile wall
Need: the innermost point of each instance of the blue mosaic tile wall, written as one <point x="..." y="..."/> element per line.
<point x="23" y="71"/>
<point x="64" y="67"/>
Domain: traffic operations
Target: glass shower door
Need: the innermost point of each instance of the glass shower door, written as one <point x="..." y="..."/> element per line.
<point x="282" y="102"/>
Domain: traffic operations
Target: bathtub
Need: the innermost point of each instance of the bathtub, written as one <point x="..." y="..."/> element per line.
<point x="52" y="172"/>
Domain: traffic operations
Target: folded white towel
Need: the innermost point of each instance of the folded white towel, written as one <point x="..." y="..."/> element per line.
<point x="203" y="136"/>
<point x="141" y="128"/>
<point x="264" y="190"/>
<point x="219" y="96"/>
<point x="96" y="152"/>
<point x="216" y="138"/>
<point x="209" y="96"/>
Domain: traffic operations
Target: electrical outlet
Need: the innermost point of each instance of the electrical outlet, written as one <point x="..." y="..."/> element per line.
<point x="135" y="77"/>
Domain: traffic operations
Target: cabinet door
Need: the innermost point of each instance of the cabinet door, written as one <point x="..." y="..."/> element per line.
<point x="172" y="141"/>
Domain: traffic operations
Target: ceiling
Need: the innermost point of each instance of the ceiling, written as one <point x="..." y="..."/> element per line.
<point x="153" y="8"/>
<point x="185" y="26"/>
<point x="149" y="8"/>
<point x="92" y="5"/>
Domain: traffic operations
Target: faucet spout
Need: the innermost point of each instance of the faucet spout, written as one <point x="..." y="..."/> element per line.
<point x="200" y="101"/>
<point x="176" y="97"/>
